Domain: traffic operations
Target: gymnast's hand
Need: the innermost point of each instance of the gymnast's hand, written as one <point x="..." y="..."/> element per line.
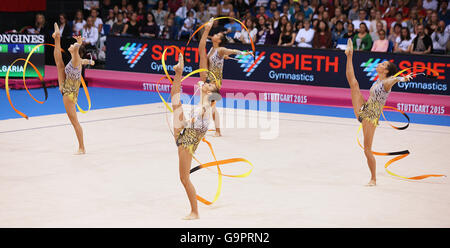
<point x="79" y="39"/>
<point x="406" y="78"/>
<point x="209" y="24"/>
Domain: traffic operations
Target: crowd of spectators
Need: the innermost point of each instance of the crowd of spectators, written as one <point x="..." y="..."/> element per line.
<point x="402" y="26"/>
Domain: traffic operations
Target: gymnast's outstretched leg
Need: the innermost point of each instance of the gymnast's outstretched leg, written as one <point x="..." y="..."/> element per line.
<point x="184" y="155"/>
<point x="358" y="101"/>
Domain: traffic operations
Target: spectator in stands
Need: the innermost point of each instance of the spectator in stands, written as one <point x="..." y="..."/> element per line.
<point x="245" y="36"/>
<point x="98" y="23"/>
<point x="203" y="15"/>
<point x="150" y="29"/>
<point x="444" y="13"/>
<point x="287" y="35"/>
<point x="169" y="31"/>
<point x="374" y="34"/>
<point x="272" y="8"/>
<point x="395" y="33"/>
<point x="132" y="27"/>
<point x="78" y="23"/>
<point x="40" y="26"/>
<point x="318" y="14"/>
<point x="350" y="31"/>
<point x="298" y="26"/>
<point x="140" y="11"/>
<point x="354" y="12"/>
<point x="286" y="11"/>
<point x="174" y="5"/>
<point x="188" y="26"/>
<point x="123" y="6"/>
<point x="398" y="20"/>
<point x="283" y="20"/>
<point x="64" y="28"/>
<point x="403" y="42"/>
<point x="262" y="30"/>
<point x="434" y="21"/>
<point x="337" y="17"/>
<point x="322" y="36"/>
<point x="306" y="8"/>
<point x="430" y="4"/>
<point x="105" y="7"/>
<point x="232" y="27"/>
<point x="389" y="17"/>
<point x="160" y="14"/>
<point x="402" y="7"/>
<point x="110" y="19"/>
<point x="346" y="7"/>
<point x="240" y="8"/>
<point x="225" y="8"/>
<point x="90" y="34"/>
<point x="362" y="41"/>
<point x="338" y="32"/>
<point x="213" y="8"/>
<point x="118" y="26"/>
<point x="361" y="19"/>
<point x="413" y="18"/>
<point x="305" y="35"/>
<point x="382" y="44"/>
<point x="273" y="34"/>
<point x="422" y="44"/>
<point x="262" y="12"/>
<point x="440" y="38"/>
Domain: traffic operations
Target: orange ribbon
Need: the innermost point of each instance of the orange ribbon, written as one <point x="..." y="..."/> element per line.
<point x="40" y="78"/>
<point x="400" y="154"/>
<point x="201" y="165"/>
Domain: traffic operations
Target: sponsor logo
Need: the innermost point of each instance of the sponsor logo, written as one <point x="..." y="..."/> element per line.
<point x="133" y="52"/>
<point x="249" y="64"/>
<point x="370" y="68"/>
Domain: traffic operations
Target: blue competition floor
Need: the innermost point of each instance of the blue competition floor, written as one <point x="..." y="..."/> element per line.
<point x="109" y="98"/>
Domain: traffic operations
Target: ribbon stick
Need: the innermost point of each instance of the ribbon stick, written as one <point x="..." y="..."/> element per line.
<point x="27" y="61"/>
<point x="399" y="154"/>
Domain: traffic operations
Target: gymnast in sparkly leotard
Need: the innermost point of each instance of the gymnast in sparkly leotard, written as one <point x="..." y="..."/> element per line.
<point x="69" y="80"/>
<point x="368" y="112"/>
<point x="214" y="63"/>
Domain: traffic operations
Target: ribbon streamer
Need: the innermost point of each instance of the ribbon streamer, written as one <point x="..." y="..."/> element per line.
<point x="399" y="154"/>
<point x="201" y="165"/>
<point x="27" y="61"/>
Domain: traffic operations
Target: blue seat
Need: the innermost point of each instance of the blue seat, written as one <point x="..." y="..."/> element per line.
<point x="390" y="47"/>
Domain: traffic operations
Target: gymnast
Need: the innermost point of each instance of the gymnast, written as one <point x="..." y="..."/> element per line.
<point x="368" y="112"/>
<point x="69" y="80"/>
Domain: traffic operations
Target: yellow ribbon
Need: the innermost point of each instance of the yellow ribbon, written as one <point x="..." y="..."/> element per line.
<point x="399" y="154"/>
<point x="41" y="78"/>
<point x="216" y="162"/>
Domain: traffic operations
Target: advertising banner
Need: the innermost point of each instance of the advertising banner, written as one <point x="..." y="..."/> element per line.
<point x="14" y="46"/>
<point x="292" y="65"/>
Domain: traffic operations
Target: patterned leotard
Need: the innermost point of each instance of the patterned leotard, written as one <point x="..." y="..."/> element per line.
<point x="371" y="110"/>
<point x="72" y="83"/>
<point x="194" y="131"/>
<point x="215" y="66"/>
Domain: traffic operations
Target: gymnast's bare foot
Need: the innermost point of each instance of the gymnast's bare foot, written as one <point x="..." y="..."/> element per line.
<point x="372" y="183"/>
<point x="57" y="33"/>
<point x="349" y="49"/>
<point x="217" y="134"/>
<point x="192" y="216"/>
<point x="80" y="151"/>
